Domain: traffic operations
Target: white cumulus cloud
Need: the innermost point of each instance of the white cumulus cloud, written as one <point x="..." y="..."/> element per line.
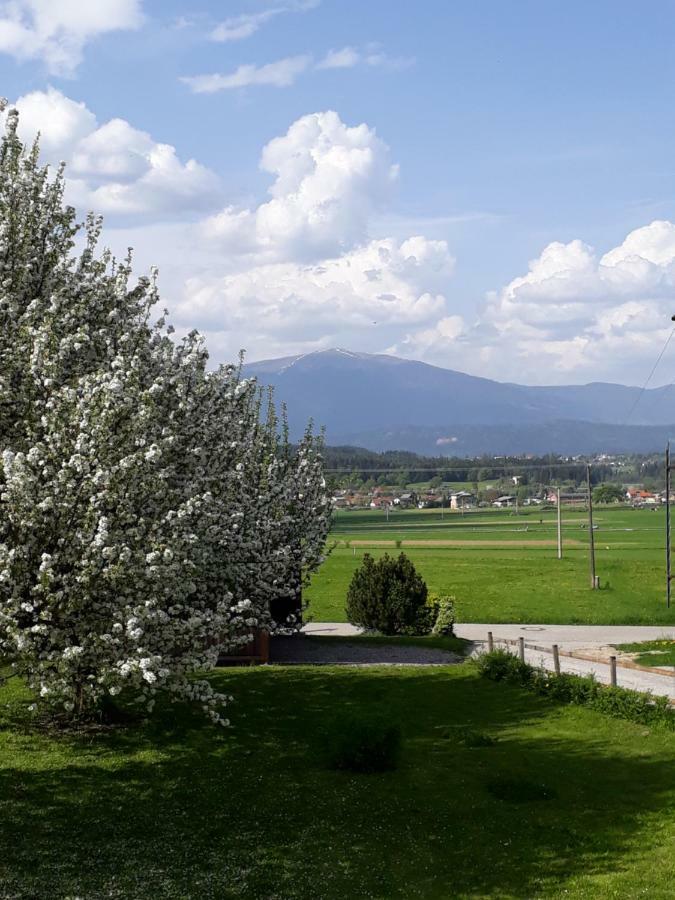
<point x="329" y="178"/>
<point x="113" y="168"/>
<point x="385" y="282"/>
<point x="56" y="31"/>
<point x="573" y="315"/>
<point x="302" y="271"/>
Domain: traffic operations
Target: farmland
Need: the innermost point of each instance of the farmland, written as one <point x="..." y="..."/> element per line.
<point x="503" y="567"/>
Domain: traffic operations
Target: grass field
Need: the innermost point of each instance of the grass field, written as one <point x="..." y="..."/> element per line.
<point x="504" y="568"/>
<point x="566" y="803"/>
<point x="651" y="653"/>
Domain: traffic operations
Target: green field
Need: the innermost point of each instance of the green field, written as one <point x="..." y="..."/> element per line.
<point x="566" y="802"/>
<point x="651" y="653"/>
<point x="503" y="567"/>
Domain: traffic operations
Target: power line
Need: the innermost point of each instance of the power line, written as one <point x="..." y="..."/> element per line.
<point x="649" y="378"/>
<point x="393" y="471"/>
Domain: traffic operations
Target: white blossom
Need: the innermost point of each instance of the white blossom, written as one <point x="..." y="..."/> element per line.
<point x="152" y="512"/>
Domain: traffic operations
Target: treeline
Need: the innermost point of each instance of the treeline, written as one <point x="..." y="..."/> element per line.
<point x="355" y="465"/>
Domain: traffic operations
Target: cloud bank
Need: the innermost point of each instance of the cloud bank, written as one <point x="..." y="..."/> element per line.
<point x="303" y="270"/>
<point x="573" y="315"/>
<point x="307" y="267"/>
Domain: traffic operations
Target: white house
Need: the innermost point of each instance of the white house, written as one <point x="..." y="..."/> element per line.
<point x="461" y="500"/>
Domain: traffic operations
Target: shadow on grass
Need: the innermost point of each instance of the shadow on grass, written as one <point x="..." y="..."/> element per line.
<point x="178" y="808"/>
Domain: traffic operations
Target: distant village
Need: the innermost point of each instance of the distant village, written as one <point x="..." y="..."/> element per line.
<point x="383" y="497"/>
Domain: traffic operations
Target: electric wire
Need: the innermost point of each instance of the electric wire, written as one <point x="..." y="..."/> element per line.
<point x="403" y="468"/>
<point x="649" y="378"/>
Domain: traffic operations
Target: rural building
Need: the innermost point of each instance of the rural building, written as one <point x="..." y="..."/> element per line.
<point x="506" y="500"/>
<point x="462" y="500"/>
<point x="641" y="497"/>
<point x="568" y="497"/>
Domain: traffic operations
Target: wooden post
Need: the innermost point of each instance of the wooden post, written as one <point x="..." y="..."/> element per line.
<point x="559" y="527"/>
<point x="491" y="643"/>
<point x="668" y="574"/>
<point x="556" y="659"/>
<point x="612" y="670"/>
<point x="591" y="536"/>
<point x="521" y="649"/>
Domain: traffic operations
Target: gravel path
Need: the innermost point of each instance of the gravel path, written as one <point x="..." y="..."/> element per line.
<point x="568" y="637"/>
<point x="637" y="680"/>
<point x="338" y="652"/>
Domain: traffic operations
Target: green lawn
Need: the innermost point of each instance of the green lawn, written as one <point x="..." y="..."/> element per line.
<point x="651" y="653"/>
<point x="566" y="803"/>
<point x="518" y="581"/>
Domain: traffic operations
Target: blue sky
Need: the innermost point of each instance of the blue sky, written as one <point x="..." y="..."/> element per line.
<point x="505" y="209"/>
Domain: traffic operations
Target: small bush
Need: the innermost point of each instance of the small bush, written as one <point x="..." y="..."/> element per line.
<point x="364" y="745"/>
<point x="444" y="608"/>
<point x="500" y="665"/>
<point x="389" y="596"/>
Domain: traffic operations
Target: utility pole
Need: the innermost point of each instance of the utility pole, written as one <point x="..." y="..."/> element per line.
<point x="669" y="577"/>
<point x="591" y="536"/>
<point x="559" y="526"/>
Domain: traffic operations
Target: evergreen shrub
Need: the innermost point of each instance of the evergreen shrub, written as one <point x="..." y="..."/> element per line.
<point x="389" y="596"/>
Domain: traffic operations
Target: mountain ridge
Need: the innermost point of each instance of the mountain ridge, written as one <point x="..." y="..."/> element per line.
<point x="355" y="393"/>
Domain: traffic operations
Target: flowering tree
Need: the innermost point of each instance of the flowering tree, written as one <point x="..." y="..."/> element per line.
<point x="149" y="516"/>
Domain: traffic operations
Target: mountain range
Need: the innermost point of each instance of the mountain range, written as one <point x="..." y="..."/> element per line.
<point x="383" y="402"/>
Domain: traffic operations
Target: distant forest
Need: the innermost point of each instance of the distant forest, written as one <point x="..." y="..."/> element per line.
<point x="355" y="467"/>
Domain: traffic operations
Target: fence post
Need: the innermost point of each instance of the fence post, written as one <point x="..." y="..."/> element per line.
<point x="612" y="670"/>
<point x="491" y="643"/>
<point x="556" y="659"/>
<point x="521" y="648"/>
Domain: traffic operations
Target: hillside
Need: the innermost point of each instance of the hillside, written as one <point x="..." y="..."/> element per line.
<point x="383" y="402"/>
